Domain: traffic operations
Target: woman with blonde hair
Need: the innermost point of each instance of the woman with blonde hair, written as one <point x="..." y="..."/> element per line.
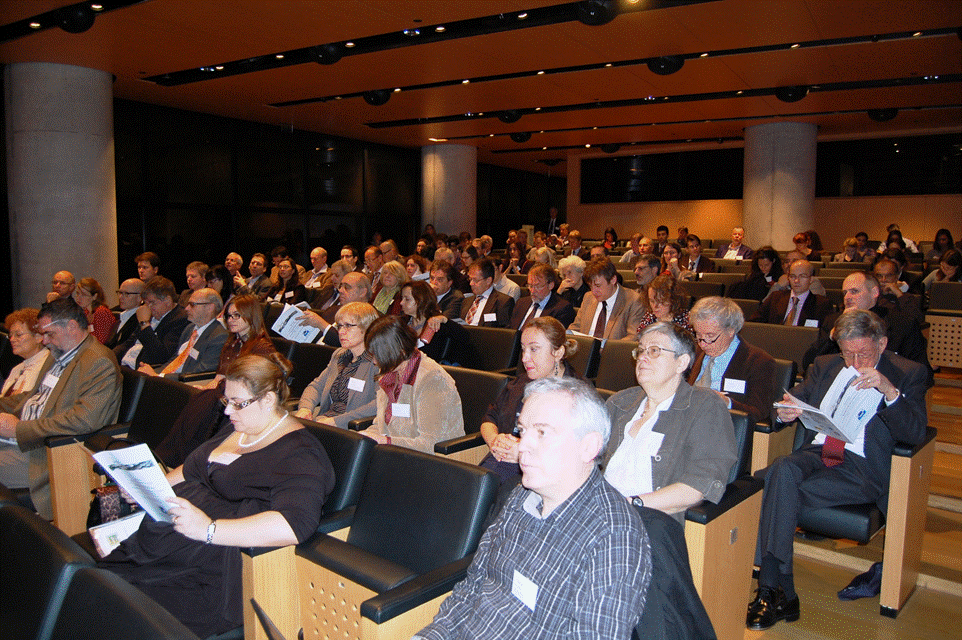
<point x="388" y="298"/>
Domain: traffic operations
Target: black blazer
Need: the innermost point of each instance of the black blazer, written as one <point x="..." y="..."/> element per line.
<point x="498" y="304"/>
<point x="160" y="344"/>
<point x="451" y="302"/>
<point x="757" y="369"/>
<point x="556" y="307"/>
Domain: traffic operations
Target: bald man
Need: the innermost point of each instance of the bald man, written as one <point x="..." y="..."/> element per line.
<point x="129" y="299"/>
<point x="62" y="286"/>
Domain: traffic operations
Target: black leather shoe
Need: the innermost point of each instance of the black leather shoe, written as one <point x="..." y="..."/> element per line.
<point x="770" y="606"/>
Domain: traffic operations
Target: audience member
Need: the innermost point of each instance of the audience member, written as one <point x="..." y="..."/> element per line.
<point x="598" y="252"/>
<point x="387" y="300"/>
<point x="258" y="285"/>
<point x="661" y="237"/>
<point x="100" y="319"/>
<point x="646" y="270"/>
<point x="329" y="294"/>
<point x="573" y="286"/>
<point x="148" y="265"/>
<point x="417" y="267"/>
<point x="389" y="251"/>
<point x="354" y="287"/>
<point x="515" y="261"/>
<point x="611" y="311"/>
<point x="894" y="231"/>
<point x="849" y="252"/>
<point x="765" y="271"/>
<point x="442" y="281"/>
<point x="683" y="236"/>
<point x="798" y="306"/>
<point x="803" y="242"/>
<point x="611" y="239"/>
<point x="742" y="374"/>
<point x="542" y="301"/>
<point x="667" y="302"/>
<point x="279" y="253"/>
<point x="553" y="222"/>
<point x="129" y="300"/>
<point x="442" y="341"/>
<point x="574" y="245"/>
<point x="26" y="342"/>
<point x="634" y="252"/>
<point x="905" y="281"/>
<point x="62" y="286"/>
<point x="233" y="262"/>
<point x="247" y="335"/>
<point x="218" y="278"/>
<point x="349" y="253"/>
<point x="288" y="289"/>
<point x="196" y="275"/>
<point x="490" y="308"/>
<point x="79" y="392"/>
<point x="735" y="250"/>
<point x="827" y="472"/>
<point x="201" y="341"/>
<point x="864" y="250"/>
<point x="942" y="243"/>
<point x="160" y="321"/>
<point x="318" y="276"/>
<point x="373" y="261"/>
<point x="567" y="555"/>
<point x="949" y="269"/>
<point x="697" y="263"/>
<point x="671" y="262"/>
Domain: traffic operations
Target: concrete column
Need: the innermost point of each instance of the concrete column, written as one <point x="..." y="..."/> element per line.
<point x="779" y="191"/>
<point x="60" y="177"/>
<point x="449" y="187"/>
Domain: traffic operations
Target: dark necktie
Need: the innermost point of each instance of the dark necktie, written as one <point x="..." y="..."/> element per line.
<point x="602" y="321"/>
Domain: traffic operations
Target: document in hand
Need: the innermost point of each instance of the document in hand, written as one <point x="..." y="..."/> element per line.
<point x="289" y="326"/>
<point x="136" y="471"/>
<point x="844" y="410"/>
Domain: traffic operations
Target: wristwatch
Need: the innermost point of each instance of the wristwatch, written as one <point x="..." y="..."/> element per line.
<point x="637" y="501"/>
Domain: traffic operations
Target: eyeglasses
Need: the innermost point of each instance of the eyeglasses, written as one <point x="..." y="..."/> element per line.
<point x="237" y="406"/>
<point x="234" y="316"/>
<point x="197" y="304"/>
<point x="127" y="293"/>
<point x="653" y="352"/>
<point x="707" y="341"/>
<point x="346" y="325"/>
<point x="799" y="276"/>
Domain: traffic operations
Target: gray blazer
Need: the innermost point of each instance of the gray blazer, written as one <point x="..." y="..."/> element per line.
<point x="360" y="404"/>
<point x="208" y="346"/>
<point x="699" y="445"/>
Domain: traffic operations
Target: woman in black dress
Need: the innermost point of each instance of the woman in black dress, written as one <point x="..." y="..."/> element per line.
<point x="261" y="484"/>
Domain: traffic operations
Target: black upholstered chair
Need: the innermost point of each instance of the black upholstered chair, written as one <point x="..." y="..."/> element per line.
<point x="904" y="524"/>
<point x="272" y="311"/>
<point x="269" y="573"/>
<point x="779" y="341"/>
<point x="721" y="539"/>
<point x="309" y="361"/>
<point x="37" y="563"/>
<point x="616" y="369"/>
<point x="497" y="349"/>
<point x="284" y="346"/>
<point x="772" y="438"/>
<point x="100" y="604"/>
<point x="477" y="389"/>
<point x="416" y="526"/>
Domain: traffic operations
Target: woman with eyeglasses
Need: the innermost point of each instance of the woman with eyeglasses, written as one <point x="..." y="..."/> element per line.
<point x="672" y="445"/>
<point x="667" y="303"/>
<point x="347" y="388"/>
<point x="91" y="297"/>
<point x="260" y="484"/>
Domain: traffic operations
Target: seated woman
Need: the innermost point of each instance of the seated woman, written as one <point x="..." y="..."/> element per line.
<point x="515" y="261"/>
<point x="573" y="286"/>
<point x="245" y="322"/>
<point x="289" y="289"/>
<point x="417" y="267"/>
<point x="417" y="402"/>
<point x="942" y="243"/>
<point x="949" y="269"/>
<point x="435" y="334"/>
<point x="672" y="445"/>
<point x="611" y="239"/>
<point x="803" y="244"/>
<point x="669" y="262"/>
<point x="469" y="255"/>
<point x="346" y="389"/>
<point x="261" y="484"/>
<point x="388" y="298"/>
<point x="90" y="296"/>
<point x="219" y="279"/>
<point x="849" y="252"/>
<point x="766" y="270"/>
<point x="543" y="255"/>
<point x="544" y="353"/>
<point x="668" y="303"/>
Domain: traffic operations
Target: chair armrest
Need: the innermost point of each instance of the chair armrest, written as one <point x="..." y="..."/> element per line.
<point x="509" y="371"/>
<point x="416" y="592"/>
<point x="110" y="431"/>
<point x="360" y="424"/>
<point x="770" y="426"/>
<point x="736" y="493"/>
<point x="337" y="520"/>
<point x="187" y="378"/>
<point x="907" y="450"/>
<point x="355" y="564"/>
<point x="461" y="443"/>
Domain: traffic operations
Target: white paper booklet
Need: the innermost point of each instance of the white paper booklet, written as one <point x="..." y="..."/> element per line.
<point x="289" y="326"/>
<point x="109" y="535"/>
<point x="136" y="471"/>
<point x="844" y="411"/>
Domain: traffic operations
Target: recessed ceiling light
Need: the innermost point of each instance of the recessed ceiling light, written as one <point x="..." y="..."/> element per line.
<point x="587" y="146"/>
<point x="704" y="55"/>
<point x="279" y="56"/>
<point x="537" y="108"/>
<point x="490" y="135"/>
<point x="349" y="45"/>
<point x="97" y="7"/>
<point x="398" y="90"/>
<point x="916" y="34"/>
<point x="35" y="25"/>
<point x="795" y="46"/>
<point x="412" y="32"/>
<point x="522" y="16"/>
<point x="607" y="65"/>
<point x="739" y="92"/>
<point x="219" y="67"/>
<point x="438" y="139"/>
<point x="465" y="81"/>
<point x="337" y="97"/>
<point x="541" y="73"/>
<point x="440" y="28"/>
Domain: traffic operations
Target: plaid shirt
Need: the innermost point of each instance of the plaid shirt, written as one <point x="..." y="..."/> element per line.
<point x="590" y="561"/>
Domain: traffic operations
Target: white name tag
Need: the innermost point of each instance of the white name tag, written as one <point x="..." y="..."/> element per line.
<point x="400" y="410"/>
<point x="524" y="590"/>
<point x="50" y="380"/>
<point x="90" y="328"/>
<point x="811" y="322"/>
<point x="194" y="353"/>
<point x="490" y="317"/>
<point x="225" y="458"/>
<point x="653" y="443"/>
<point x="315" y="285"/>
<point x="289" y="294"/>
<point x="733" y="385"/>
<point x="356" y="384"/>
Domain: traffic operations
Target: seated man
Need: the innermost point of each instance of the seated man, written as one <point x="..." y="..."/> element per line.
<point x="442" y="281"/>
<point x="62" y="286"/>
<point x="148" y="265"/>
<point x="259" y="284"/>
<point x="354" y="287"/>
<point x="78" y="392"/>
<point x="735" y="250"/>
<point x="160" y="321"/>
<point x="742" y="374"/>
<point x="611" y="311"/>
<point x="543" y="301"/>
<point x="490" y="308"/>
<point x="826" y="472"/>
<point x="696" y="262"/>
<point x="567" y="557"/>
<point x="799" y="306"/>
<point x="129" y="296"/>
<point x="504" y="284"/>
<point x="201" y="341"/>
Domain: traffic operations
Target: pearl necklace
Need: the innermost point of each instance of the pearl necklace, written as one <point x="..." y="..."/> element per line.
<point x="263" y="435"/>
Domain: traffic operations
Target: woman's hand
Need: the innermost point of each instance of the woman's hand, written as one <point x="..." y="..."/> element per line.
<point x="435" y="322"/>
<point x="504" y="448"/>
<point x="189" y="521"/>
<point x="307" y="414"/>
<point x="146" y="368"/>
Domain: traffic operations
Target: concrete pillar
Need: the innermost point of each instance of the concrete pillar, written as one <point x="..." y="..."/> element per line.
<point x="449" y="187"/>
<point x="60" y="177"/>
<point x="779" y="191"/>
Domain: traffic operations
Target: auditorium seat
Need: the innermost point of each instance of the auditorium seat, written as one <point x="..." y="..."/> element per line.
<point x="616" y="370"/>
<point x="779" y="341"/>
<point x="309" y="361"/>
<point x="477" y="389"/>
<point x="497" y="349"/>
<point x="772" y="438"/>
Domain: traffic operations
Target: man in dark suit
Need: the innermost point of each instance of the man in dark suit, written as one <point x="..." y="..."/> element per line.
<point x="129" y="295"/>
<point x="450" y="299"/>
<point x="736" y="250"/>
<point x="827" y="472"/>
<point x="742" y="374"/>
<point x="553" y="223"/>
<point x="543" y="301"/>
<point x="574" y="246"/>
<point x="490" y="308"/>
<point x="798" y="306"/>
<point x="160" y="321"/>
<point x="201" y="341"/>
<point x="354" y="287"/>
<point x="259" y="283"/>
<point x="697" y="263"/>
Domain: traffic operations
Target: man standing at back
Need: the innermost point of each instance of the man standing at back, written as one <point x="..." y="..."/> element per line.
<point x="568" y="557"/>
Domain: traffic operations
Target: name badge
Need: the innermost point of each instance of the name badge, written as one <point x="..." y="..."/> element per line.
<point x="653" y="443"/>
<point x="524" y="590"/>
<point x="733" y="385"/>
<point x="811" y="322"/>
<point x="400" y="410"/>
<point x="194" y="353"/>
<point x="356" y="384"/>
<point x="225" y="458"/>
<point x="50" y="380"/>
<point x="490" y="317"/>
<point x="316" y="284"/>
<point x="289" y="294"/>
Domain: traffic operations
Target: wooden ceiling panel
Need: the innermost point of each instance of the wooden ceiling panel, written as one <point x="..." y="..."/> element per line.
<point x="747" y="23"/>
<point x="899" y="59"/>
<point x="836" y="19"/>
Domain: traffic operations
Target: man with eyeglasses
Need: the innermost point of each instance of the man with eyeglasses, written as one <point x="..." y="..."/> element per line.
<point x="129" y="299"/>
<point x="646" y="269"/>
<point x="825" y="471"/>
<point x="62" y="286"/>
<point x="490" y="307"/>
<point x="354" y="287"/>
<point x="201" y="341"/>
<point x="79" y="392"/>
<point x="742" y="374"/>
<point x="797" y="307"/>
<point x="543" y="301"/>
<point x="442" y="279"/>
<point x="160" y="321"/>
